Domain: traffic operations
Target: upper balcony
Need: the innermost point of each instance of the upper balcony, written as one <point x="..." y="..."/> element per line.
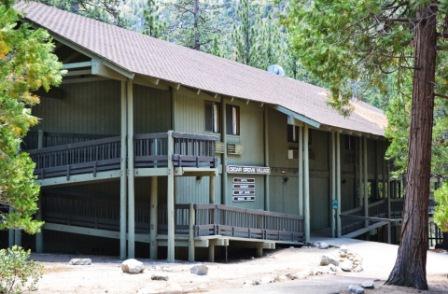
<point x="98" y="159"/>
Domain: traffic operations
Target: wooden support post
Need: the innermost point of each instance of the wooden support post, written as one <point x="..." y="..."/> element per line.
<point x="266" y="158"/>
<point x="300" y="171"/>
<point x="333" y="185"/>
<point x="389" y="213"/>
<point x="360" y="173"/>
<point x="191" y="225"/>
<point x="224" y="154"/>
<point x="170" y="201"/>
<point x="11" y="238"/>
<point x="211" y="189"/>
<point x="365" y="184"/>
<point x="153" y="219"/>
<point x="123" y="175"/>
<point x="131" y="182"/>
<point x="211" y="250"/>
<point x="18" y="237"/>
<point x="260" y="250"/>
<point x="306" y="184"/>
<point x="338" y="184"/>
<point x="39" y="236"/>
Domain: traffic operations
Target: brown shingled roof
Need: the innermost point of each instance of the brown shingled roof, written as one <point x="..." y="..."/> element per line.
<point x="141" y="54"/>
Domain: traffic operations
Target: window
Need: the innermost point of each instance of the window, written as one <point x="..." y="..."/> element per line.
<point x="233" y="120"/>
<point x="293" y="133"/>
<point x="212" y="117"/>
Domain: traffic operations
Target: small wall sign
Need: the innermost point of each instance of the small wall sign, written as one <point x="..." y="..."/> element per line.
<point x="243" y="189"/>
<point x="248" y="170"/>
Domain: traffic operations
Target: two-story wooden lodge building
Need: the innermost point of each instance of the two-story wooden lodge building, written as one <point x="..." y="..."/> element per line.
<point x="148" y="146"/>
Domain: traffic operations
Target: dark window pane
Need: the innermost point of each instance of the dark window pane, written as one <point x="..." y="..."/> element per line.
<point x="208" y="116"/>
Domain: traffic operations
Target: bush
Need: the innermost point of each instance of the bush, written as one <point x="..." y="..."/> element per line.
<point x="17" y="272"/>
<point x="441" y="210"/>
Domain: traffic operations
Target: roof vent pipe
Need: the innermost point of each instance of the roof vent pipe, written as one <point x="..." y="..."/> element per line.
<point x="276" y="70"/>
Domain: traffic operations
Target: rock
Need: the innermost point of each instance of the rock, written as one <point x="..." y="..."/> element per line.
<point x="326" y="260"/>
<point x="321" y="245"/>
<point x="132" y="266"/>
<point x="80" y="261"/>
<point x="256" y="282"/>
<point x="368" y="284"/>
<point x="346" y="266"/>
<point x="355" y="289"/>
<point x="200" y="270"/>
<point x="159" y="278"/>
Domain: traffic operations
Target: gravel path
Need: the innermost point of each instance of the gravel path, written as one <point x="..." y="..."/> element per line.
<point x="262" y="275"/>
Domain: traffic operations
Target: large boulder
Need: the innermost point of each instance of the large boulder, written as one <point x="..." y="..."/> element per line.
<point x="200" y="270"/>
<point x="132" y="266"/>
<point x="80" y="261"/>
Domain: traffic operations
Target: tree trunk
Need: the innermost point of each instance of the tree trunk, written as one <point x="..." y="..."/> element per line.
<point x="410" y="266"/>
<point x="197" y="38"/>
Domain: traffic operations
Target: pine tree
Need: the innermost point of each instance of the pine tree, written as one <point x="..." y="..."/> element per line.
<point x="153" y="25"/>
<point x="26" y="64"/>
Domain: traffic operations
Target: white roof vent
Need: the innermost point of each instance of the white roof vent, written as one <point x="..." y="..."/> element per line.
<point x="276" y="69"/>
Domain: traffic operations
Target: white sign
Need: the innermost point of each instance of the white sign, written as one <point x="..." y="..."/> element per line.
<point x="248" y="170"/>
<point x="243" y="189"/>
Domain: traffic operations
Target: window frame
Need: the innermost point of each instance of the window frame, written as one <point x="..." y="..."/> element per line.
<point x="235" y="115"/>
<point x="215" y="116"/>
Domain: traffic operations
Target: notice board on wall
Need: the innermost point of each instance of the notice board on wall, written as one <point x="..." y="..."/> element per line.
<point x="243" y="189"/>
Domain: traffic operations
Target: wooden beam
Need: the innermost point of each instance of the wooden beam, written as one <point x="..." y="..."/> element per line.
<point x="39" y="236"/>
<point x="365" y="184"/>
<point x="306" y="183"/>
<point x="76" y="65"/>
<point x="211" y="250"/>
<point x="81" y="72"/>
<point x="224" y="154"/>
<point x="123" y="171"/>
<point x="151" y="172"/>
<point x="211" y="189"/>
<point x="267" y="202"/>
<point x="130" y="162"/>
<point x="333" y="186"/>
<point x="364" y="230"/>
<point x="99" y="68"/>
<point x="338" y="183"/>
<point x="153" y="248"/>
<point x="88" y="79"/>
<point x="99" y="177"/>
<point x="191" y="224"/>
<point x="300" y="171"/>
<point x="170" y="201"/>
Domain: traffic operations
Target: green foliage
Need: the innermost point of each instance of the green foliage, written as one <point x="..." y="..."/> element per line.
<point x="351" y="43"/>
<point x="441" y="211"/>
<point x="26" y="64"/>
<point x="17" y="272"/>
<point x="153" y="25"/>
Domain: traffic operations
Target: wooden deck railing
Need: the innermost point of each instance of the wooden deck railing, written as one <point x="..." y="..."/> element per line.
<point x="194" y="150"/>
<point x="354" y="219"/>
<point x="211" y="219"/>
<point x="150" y="150"/>
<point x="78" y="158"/>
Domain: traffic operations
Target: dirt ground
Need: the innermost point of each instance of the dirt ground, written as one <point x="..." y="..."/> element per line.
<point x="269" y="274"/>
